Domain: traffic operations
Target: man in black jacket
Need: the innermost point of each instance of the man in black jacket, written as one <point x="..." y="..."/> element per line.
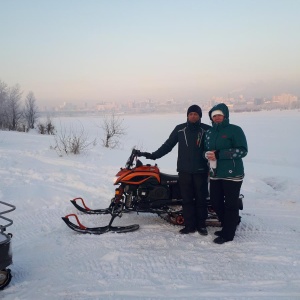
<point x="192" y="168"/>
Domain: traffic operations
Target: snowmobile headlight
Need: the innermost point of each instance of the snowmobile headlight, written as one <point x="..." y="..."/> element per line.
<point x="118" y="194"/>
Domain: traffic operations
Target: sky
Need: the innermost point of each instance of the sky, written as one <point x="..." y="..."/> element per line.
<point x="124" y="50"/>
<point x="155" y="262"/>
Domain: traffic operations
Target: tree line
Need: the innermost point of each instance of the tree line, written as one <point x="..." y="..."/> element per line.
<point x="14" y="114"/>
<point x="18" y="116"/>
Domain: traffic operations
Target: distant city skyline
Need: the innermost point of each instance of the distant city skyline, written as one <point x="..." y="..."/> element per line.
<point x="112" y="50"/>
<point x="240" y="103"/>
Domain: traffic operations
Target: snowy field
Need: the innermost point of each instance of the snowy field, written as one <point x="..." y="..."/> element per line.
<point x="50" y="261"/>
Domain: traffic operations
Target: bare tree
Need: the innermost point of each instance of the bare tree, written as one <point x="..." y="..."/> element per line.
<point x="47" y="127"/>
<point x="14" y="111"/>
<point x="113" y="131"/>
<point x="30" y="110"/>
<point x="3" y="103"/>
<point x="72" y="141"/>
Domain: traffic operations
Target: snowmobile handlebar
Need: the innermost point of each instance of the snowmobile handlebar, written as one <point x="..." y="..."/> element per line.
<point x="134" y="153"/>
<point x="137" y="153"/>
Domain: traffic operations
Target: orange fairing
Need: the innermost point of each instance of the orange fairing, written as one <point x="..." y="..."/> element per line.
<point x="137" y="175"/>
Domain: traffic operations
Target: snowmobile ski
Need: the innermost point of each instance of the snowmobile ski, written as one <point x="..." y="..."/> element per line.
<point x="85" y="209"/>
<point x="98" y="230"/>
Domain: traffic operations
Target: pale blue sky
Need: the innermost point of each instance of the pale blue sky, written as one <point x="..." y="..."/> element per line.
<point x="119" y="50"/>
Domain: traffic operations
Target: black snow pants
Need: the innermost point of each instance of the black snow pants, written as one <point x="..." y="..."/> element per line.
<point x="224" y="196"/>
<point x="194" y="191"/>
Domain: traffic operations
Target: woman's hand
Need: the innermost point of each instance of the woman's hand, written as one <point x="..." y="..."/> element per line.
<point x="210" y="155"/>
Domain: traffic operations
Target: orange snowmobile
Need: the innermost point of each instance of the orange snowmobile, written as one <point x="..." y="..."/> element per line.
<point x="141" y="188"/>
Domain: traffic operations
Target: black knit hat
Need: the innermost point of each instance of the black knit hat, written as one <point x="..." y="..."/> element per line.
<point x="194" y="108"/>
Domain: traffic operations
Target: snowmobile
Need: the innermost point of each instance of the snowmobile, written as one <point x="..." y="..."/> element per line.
<point x="141" y="188"/>
<point x="5" y="248"/>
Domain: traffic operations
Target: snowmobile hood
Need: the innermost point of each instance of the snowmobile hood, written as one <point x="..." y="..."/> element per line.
<point x="222" y="107"/>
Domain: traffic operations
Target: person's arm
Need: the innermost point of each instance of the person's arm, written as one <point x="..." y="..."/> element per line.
<point x="239" y="148"/>
<point x="167" y="146"/>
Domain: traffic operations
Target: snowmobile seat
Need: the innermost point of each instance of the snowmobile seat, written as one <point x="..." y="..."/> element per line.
<point x="168" y="179"/>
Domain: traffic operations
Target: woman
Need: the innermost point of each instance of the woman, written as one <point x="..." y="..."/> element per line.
<point x="225" y="146"/>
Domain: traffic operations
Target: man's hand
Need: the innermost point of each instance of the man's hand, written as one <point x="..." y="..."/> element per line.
<point x="147" y="155"/>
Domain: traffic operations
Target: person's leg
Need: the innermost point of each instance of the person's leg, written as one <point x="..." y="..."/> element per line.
<point x="201" y="192"/>
<point x="188" y="202"/>
<point x="231" y="216"/>
<point x="217" y="198"/>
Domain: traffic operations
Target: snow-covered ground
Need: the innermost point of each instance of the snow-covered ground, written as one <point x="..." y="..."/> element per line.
<point x="50" y="261"/>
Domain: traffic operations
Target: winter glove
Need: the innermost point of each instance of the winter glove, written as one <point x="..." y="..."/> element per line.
<point x="147" y="155"/>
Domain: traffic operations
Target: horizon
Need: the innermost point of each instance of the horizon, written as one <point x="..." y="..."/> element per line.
<point x="119" y="51"/>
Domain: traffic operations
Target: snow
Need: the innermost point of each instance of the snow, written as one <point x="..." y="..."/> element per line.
<point x="50" y="261"/>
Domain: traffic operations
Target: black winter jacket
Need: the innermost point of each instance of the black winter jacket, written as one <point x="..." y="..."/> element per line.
<point x="190" y="139"/>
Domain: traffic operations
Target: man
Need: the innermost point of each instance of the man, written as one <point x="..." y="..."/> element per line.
<point x="192" y="168"/>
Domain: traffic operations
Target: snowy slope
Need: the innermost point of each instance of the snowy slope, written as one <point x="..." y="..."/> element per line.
<point x="155" y="262"/>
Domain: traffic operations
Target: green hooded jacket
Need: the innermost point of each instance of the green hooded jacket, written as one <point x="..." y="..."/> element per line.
<point x="230" y="144"/>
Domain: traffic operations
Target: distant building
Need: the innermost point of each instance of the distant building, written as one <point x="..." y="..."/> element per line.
<point x="67" y="107"/>
<point x="285" y="99"/>
<point x="258" y="101"/>
<point x="106" y="106"/>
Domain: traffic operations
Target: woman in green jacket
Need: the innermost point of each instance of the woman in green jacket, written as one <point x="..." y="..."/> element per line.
<point x="225" y="146"/>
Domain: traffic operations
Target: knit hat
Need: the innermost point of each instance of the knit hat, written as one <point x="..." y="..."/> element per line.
<point x="217" y="112"/>
<point x="195" y="108"/>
